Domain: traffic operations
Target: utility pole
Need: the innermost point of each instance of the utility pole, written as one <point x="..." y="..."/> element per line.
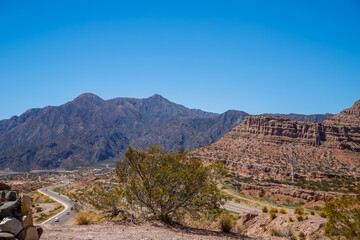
<point x="292" y="167"/>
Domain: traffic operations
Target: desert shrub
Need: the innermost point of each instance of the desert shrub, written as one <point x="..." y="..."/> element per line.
<point x="343" y="217"/>
<point x="302" y="236"/>
<point x="322" y="214"/>
<point x="300" y="211"/>
<point x="262" y="193"/>
<point x="312" y="212"/>
<point x="265" y="209"/>
<point x="291" y="219"/>
<point x="283" y="211"/>
<point x="288" y="201"/>
<point x="272" y="216"/>
<point x="300" y="218"/>
<point x="274" y="210"/>
<point x="275" y="232"/>
<point x="169" y="186"/>
<point x="107" y="198"/>
<point x="240" y="229"/>
<point x="38" y="209"/>
<point x="83" y="218"/>
<point x="226" y="223"/>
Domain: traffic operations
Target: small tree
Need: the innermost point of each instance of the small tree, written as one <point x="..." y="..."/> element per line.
<point x="167" y="186"/>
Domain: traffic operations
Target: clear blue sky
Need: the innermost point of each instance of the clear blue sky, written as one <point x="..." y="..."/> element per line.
<point x="299" y="56"/>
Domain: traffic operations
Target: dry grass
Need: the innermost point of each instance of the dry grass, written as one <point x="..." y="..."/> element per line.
<point x="265" y="209"/>
<point x="283" y="211"/>
<point x="84" y="218"/>
<point x="272" y="216"/>
<point x="226" y="223"/>
<point x="274" y="210"/>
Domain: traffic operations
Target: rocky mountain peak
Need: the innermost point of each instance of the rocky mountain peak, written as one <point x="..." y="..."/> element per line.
<point x="158" y="98"/>
<point x="87" y="98"/>
<point x="350" y="116"/>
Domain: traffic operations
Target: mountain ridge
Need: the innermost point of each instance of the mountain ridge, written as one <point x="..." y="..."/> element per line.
<point x="261" y="147"/>
<point x="90" y="130"/>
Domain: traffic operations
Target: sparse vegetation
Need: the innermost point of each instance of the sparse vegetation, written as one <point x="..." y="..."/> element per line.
<point x="302" y="236"/>
<point x="283" y="211"/>
<point x="43" y="217"/>
<point x="300" y="211"/>
<point x="274" y="210"/>
<point x="261" y="193"/>
<point x="300" y="218"/>
<point x="83" y="218"/>
<point x="265" y="209"/>
<point x="160" y="185"/>
<point x="275" y="232"/>
<point x="343" y="217"/>
<point x="226" y="223"/>
<point x="272" y="216"/>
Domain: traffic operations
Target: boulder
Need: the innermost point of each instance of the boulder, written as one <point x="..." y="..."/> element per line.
<point x="6" y="236"/>
<point x="39" y="230"/>
<point x="29" y="233"/>
<point x="8" y="207"/>
<point x="27" y="201"/>
<point x="11" y="225"/>
<point x="244" y="218"/>
<point x="28" y="220"/>
<point x="4" y="186"/>
<point x="10" y="196"/>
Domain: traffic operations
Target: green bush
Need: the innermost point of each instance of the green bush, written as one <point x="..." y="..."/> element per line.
<point x="343" y="217"/>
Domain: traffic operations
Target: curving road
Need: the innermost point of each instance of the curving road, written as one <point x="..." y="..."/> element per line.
<point x="63" y="200"/>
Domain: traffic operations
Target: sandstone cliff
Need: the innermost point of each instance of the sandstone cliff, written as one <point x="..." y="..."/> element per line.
<point x="261" y="146"/>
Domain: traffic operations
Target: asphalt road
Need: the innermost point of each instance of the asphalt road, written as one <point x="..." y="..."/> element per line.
<point x="238" y="208"/>
<point x="63" y="200"/>
<point x="67" y="203"/>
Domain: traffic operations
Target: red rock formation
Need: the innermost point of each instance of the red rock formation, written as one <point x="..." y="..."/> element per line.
<point x="261" y="146"/>
<point x="350" y="116"/>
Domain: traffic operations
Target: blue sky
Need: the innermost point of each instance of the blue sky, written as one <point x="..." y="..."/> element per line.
<point x="256" y="56"/>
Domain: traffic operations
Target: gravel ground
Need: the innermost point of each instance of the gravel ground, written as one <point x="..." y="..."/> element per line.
<point x="144" y="231"/>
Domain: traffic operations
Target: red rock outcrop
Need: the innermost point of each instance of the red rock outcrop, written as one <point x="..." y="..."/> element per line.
<point x="261" y="146"/>
<point x="350" y="116"/>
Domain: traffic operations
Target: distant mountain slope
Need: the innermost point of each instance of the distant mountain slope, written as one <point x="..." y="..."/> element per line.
<point x="84" y="131"/>
<point x="90" y="130"/>
<point x="190" y="134"/>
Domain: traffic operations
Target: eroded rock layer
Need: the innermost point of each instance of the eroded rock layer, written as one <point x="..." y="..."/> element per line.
<point x="262" y="146"/>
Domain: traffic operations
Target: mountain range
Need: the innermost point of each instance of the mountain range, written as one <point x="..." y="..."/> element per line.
<point x="90" y="130"/>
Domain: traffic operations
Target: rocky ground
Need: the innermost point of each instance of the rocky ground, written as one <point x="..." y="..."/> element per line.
<point x="283" y="226"/>
<point x="111" y="231"/>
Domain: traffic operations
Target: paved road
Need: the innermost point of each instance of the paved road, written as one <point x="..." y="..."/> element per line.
<point x="238" y="208"/>
<point x="63" y="200"/>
